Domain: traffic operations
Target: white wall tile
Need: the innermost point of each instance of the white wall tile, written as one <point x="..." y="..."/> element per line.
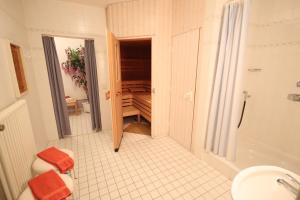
<point x="67" y="19"/>
<point x="13" y="29"/>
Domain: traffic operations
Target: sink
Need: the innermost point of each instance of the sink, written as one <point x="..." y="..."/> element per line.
<point x="260" y="183"/>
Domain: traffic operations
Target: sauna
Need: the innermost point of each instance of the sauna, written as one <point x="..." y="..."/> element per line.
<point x="135" y="60"/>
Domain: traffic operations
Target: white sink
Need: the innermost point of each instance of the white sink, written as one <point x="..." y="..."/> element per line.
<point x="260" y="183"/>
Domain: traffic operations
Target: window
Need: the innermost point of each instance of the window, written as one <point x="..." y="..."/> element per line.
<point x="19" y="69"/>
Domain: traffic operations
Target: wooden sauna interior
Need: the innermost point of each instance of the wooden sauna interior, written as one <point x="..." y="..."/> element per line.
<point x="136" y="80"/>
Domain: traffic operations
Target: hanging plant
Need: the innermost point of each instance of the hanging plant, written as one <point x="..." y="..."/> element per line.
<point x="75" y="67"/>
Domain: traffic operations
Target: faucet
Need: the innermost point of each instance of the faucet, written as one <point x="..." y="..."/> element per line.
<point x="291" y="187"/>
<point x="297" y="183"/>
<point x="288" y="186"/>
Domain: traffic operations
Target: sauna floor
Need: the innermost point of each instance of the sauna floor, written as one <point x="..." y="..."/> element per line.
<point x="132" y="126"/>
<point x="138" y="128"/>
<point x="143" y="169"/>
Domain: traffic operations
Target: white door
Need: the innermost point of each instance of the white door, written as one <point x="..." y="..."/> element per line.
<point x="184" y="70"/>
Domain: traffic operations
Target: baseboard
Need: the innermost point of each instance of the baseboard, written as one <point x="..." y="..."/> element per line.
<point x="227" y="168"/>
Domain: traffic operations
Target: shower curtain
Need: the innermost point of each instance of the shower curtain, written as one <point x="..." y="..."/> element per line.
<point x="56" y="87"/>
<point x="92" y="83"/>
<point x="221" y="127"/>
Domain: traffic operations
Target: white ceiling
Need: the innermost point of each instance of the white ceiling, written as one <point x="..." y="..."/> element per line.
<point x="101" y="3"/>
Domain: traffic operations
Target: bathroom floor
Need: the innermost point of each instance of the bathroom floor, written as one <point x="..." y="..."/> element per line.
<point x="144" y="168"/>
<point x="81" y="124"/>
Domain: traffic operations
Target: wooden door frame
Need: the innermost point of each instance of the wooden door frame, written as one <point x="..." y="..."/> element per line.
<point x="137" y="38"/>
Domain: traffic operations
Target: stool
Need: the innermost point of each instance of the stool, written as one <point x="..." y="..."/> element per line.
<point x="40" y="166"/>
<point x="27" y="194"/>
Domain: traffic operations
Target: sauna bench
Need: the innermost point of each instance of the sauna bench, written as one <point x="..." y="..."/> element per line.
<point x="137" y="102"/>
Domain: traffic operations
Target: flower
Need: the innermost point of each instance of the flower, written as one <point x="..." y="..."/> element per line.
<point x="75" y="66"/>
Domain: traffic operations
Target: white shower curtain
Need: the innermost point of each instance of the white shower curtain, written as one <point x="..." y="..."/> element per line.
<point x="220" y="134"/>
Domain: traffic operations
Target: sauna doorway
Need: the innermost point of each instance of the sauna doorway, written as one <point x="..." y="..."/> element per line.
<point x="135" y="61"/>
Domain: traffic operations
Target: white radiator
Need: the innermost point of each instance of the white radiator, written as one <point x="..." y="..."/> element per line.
<point x="17" y="147"/>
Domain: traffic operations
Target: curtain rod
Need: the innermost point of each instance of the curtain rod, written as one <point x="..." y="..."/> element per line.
<point x="67" y="36"/>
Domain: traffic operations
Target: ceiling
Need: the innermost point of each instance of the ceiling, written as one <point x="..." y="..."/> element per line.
<point x="101" y="3"/>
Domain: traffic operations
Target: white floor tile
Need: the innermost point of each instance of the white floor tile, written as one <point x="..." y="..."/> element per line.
<point x="144" y="168"/>
<point x="81" y="124"/>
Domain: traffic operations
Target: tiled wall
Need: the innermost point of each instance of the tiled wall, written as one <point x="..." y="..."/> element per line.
<point x="66" y="19"/>
<point x="269" y="134"/>
<point x="13" y="29"/>
<point x="269" y="131"/>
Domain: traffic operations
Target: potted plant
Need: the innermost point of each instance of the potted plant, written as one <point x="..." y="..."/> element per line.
<point x="75" y="67"/>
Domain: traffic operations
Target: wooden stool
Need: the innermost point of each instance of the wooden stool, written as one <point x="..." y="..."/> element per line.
<point x="71" y="102"/>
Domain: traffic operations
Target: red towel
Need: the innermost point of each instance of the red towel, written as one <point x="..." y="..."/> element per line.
<point x="57" y="158"/>
<point x="49" y="186"/>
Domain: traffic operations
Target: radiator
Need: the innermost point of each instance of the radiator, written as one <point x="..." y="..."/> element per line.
<point x="17" y="147"/>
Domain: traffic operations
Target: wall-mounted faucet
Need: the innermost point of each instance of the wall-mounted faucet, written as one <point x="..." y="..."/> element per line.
<point x="2" y="127"/>
<point x="293" y="180"/>
<point x="288" y="186"/>
<point x="297" y="183"/>
<point x="294" y="188"/>
<point x="294" y="97"/>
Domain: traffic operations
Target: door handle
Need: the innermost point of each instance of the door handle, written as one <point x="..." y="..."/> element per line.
<point x="107" y="95"/>
<point x="118" y="93"/>
<point x="153" y="90"/>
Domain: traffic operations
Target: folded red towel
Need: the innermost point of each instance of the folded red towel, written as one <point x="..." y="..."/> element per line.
<point x="57" y="158"/>
<point x="49" y="186"/>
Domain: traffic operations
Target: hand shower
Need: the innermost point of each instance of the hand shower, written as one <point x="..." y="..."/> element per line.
<point x="246" y="96"/>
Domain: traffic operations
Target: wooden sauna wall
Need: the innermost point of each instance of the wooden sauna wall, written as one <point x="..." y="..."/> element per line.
<point x="149" y="18"/>
<point x="136" y="60"/>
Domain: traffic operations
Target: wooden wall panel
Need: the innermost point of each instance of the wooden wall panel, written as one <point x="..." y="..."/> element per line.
<point x="149" y="18"/>
<point x="184" y="68"/>
<point x="132" y="18"/>
<point x="136" y="60"/>
<point x="187" y="15"/>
